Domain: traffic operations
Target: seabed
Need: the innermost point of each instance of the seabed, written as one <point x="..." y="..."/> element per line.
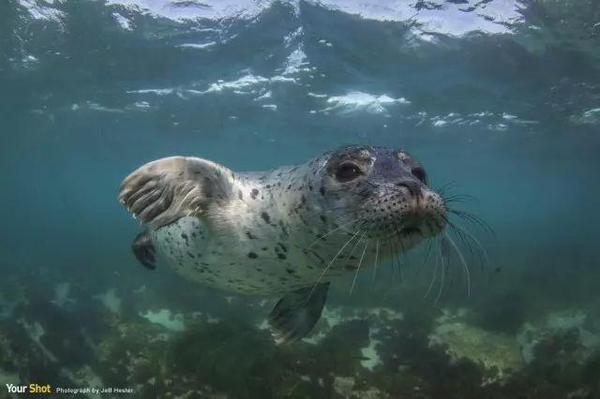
<point x="354" y="352"/>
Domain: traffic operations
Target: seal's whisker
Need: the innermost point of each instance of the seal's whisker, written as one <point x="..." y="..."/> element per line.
<point x="460" y="232"/>
<point x="428" y="253"/>
<point x="467" y="237"/>
<point x="446" y="186"/>
<point x="396" y="258"/>
<point x="462" y="261"/>
<point x="387" y="253"/>
<point x="375" y="264"/>
<point x="443" y="266"/>
<point x="433" y="276"/>
<point x="448" y="191"/>
<point x="359" y="264"/>
<point x="356" y="244"/>
<point x="458" y="198"/>
<point x="395" y="264"/>
<point x="333" y="231"/>
<point x="404" y="258"/>
<point x="446" y="194"/>
<point x="472" y="218"/>
<point x="324" y="271"/>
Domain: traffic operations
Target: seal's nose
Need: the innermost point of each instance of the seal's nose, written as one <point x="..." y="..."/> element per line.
<point x="413" y="187"/>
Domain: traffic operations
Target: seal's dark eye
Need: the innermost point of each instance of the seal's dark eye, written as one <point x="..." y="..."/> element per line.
<point x="347" y="171"/>
<point x="420" y="174"/>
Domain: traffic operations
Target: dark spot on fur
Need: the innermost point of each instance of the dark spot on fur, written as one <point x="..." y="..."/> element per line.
<point x="265" y="217"/>
<point x="322" y="190"/>
<point x="250" y="236"/>
<point x="254" y="193"/>
<point x="290" y="271"/>
<point x="282" y="247"/>
<point x="323" y="218"/>
<point x="252" y="255"/>
<point x="281" y="256"/>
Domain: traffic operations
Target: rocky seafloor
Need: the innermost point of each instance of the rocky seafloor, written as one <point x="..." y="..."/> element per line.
<point x="63" y="336"/>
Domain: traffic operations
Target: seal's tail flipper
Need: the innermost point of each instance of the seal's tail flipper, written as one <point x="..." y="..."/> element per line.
<point x="143" y="249"/>
<point x="296" y="314"/>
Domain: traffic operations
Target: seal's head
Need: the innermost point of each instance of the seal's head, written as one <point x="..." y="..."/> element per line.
<point x="382" y="192"/>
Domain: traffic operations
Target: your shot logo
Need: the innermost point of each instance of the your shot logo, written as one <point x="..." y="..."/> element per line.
<point x="31" y="388"/>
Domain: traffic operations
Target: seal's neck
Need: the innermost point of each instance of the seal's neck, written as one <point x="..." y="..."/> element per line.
<point x="288" y="197"/>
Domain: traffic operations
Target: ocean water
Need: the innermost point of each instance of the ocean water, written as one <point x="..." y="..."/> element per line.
<point x="499" y="99"/>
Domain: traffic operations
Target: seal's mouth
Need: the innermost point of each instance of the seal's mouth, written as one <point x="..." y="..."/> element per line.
<point x="407" y="226"/>
<point x="406" y="231"/>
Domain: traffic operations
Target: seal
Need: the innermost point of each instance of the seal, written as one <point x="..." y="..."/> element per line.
<point x="286" y="232"/>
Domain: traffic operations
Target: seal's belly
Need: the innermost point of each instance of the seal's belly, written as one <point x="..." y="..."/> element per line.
<point x="250" y="265"/>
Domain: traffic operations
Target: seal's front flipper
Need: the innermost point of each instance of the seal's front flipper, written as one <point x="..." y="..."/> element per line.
<point x="162" y="191"/>
<point x="143" y="249"/>
<point x="297" y="313"/>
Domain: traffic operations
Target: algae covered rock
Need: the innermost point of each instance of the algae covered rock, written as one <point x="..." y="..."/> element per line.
<point x="498" y="353"/>
<point x="573" y="325"/>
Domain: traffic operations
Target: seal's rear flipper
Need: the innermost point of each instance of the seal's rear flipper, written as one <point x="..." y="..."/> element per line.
<point x="143" y="249"/>
<point x="297" y="313"/>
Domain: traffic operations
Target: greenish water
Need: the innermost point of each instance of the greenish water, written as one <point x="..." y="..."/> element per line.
<point x="500" y="97"/>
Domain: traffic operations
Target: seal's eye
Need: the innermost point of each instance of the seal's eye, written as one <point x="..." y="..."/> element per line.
<point x="347" y="171"/>
<point x="419" y="173"/>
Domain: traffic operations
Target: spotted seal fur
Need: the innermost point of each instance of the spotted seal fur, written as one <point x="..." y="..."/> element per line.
<point x="285" y="232"/>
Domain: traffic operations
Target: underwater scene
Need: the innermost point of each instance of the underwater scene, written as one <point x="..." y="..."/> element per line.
<point x="347" y="199"/>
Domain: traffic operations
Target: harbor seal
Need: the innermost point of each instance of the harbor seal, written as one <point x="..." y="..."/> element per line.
<point x="285" y="232"/>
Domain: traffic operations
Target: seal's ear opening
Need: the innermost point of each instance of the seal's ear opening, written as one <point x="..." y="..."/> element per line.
<point x="162" y="191"/>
